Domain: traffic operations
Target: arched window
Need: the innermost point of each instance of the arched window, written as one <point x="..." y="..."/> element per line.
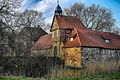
<point x="55" y="51"/>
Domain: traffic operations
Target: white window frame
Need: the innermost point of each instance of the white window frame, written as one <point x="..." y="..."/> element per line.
<point x="53" y="34"/>
<point x="107" y="41"/>
<point x="71" y="39"/>
<point x="57" y="33"/>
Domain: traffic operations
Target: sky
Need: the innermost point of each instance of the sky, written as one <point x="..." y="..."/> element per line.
<point x="47" y="7"/>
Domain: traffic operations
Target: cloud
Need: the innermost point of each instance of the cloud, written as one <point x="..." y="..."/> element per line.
<point x="44" y="5"/>
<point x="47" y="7"/>
<point x="24" y="5"/>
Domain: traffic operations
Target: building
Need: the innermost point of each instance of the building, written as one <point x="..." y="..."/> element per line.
<point x="83" y="51"/>
<point x="28" y="36"/>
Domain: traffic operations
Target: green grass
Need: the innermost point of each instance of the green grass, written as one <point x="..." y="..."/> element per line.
<point x="114" y="76"/>
<point x="18" y="78"/>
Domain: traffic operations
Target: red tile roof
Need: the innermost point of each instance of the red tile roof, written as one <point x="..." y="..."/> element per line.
<point x="69" y="22"/>
<point x="114" y="40"/>
<point x="44" y="42"/>
<point x="89" y="38"/>
<point x="82" y="36"/>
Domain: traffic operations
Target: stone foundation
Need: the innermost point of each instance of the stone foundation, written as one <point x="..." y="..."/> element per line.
<point x="99" y="61"/>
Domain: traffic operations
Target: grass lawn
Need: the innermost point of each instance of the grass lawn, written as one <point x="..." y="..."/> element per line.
<point x="114" y="76"/>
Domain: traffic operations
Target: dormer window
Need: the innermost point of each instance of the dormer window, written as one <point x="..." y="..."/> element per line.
<point x="107" y="41"/>
<point x="71" y="39"/>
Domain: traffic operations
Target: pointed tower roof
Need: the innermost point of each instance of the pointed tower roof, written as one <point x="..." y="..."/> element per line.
<point x="58" y="10"/>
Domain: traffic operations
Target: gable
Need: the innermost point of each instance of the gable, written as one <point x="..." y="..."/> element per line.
<point x="54" y="24"/>
<point x="73" y="40"/>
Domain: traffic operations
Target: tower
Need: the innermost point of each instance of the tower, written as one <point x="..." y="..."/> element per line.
<point x="56" y="30"/>
<point x="58" y="10"/>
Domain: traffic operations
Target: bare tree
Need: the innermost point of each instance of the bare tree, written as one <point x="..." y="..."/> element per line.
<point x="8" y="9"/>
<point x="30" y="18"/>
<point x="29" y="24"/>
<point x="116" y="30"/>
<point x="12" y="21"/>
<point x="94" y="17"/>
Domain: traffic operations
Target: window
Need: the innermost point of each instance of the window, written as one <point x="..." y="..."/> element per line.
<point x="67" y="31"/>
<point x="57" y="33"/>
<point x="53" y="34"/>
<point x="107" y="41"/>
<point x="55" y="51"/>
<point x="71" y="39"/>
<point x="62" y="31"/>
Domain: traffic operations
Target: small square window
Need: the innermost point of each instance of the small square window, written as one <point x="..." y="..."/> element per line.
<point x="62" y="31"/>
<point x="52" y="34"/>
<point x="57" y="33"/>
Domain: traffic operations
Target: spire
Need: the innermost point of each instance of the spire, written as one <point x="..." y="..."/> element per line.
<point x="58" y="10"/>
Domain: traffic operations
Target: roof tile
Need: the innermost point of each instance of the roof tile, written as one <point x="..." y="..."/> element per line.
<point x="44" y="42"/>
<point x="89" y="38"/>
<point x="69" y="22"/>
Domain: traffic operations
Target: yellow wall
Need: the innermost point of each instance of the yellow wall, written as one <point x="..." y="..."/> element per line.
<point x="55" y="33"/>
<point x="72" y="57"/>
<point x="55" y="25"/>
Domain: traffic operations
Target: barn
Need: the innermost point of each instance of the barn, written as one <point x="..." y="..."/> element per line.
<point x="84" y="51"/>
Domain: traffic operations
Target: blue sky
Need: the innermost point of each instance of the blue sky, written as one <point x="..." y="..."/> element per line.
<point x="48" y="6"/>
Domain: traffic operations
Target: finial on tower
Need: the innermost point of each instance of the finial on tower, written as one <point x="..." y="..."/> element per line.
<point x="58" y="2"/>
<point x="58" y="10"/>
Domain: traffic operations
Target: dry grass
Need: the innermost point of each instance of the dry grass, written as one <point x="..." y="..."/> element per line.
<point x="113" y="76"/>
